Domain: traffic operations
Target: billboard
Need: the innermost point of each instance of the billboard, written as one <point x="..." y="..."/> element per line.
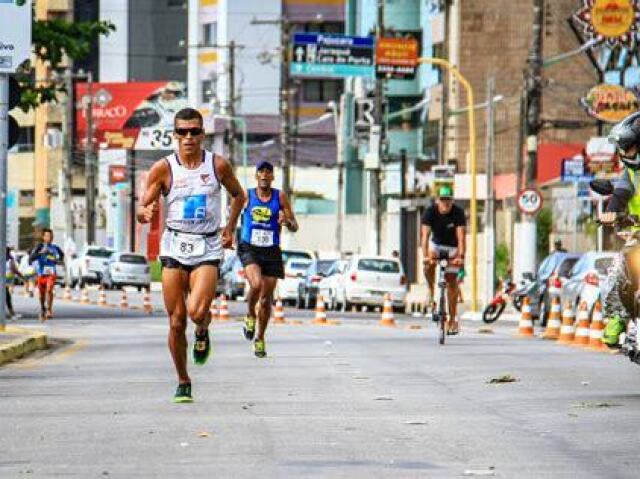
<point x="397" y="58"/>
<point x="132" y="116"/>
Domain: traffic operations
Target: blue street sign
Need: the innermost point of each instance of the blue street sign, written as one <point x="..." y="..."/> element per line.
<point x="330" y="55"/>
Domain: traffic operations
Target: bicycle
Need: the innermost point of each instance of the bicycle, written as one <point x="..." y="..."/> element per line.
<point x="441" y="312"/>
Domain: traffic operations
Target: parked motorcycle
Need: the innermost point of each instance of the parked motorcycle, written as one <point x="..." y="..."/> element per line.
<point x="495" y="308"/>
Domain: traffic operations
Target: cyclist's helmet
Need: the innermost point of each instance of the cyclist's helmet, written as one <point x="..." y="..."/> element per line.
<point x="625" y="135"/>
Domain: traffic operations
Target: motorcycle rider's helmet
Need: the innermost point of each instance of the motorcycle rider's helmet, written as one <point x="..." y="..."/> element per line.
<point x="626" y="135"/>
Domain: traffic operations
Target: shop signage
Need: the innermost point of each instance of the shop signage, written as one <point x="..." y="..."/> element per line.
<point x="611" y="21"/>
<point x="610" y="103"/>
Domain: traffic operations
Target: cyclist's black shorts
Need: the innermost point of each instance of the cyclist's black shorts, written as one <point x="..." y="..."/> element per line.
<point x="268" y="258"/>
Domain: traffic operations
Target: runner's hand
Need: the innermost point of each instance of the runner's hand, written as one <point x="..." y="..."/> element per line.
<point x="458" y="261"/>
<point x="227" y="239"/>
<point x="145" y="213"/>
<point x="607" y="218"/>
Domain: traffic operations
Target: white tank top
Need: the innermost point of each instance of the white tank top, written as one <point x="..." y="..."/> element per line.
<point x="193" y="200"/>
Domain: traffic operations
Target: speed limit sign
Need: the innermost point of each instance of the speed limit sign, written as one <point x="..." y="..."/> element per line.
<point x="530" y="201"/>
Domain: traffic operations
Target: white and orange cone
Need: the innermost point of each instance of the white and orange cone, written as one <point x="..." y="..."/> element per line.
<point x="525" y="326"/>
<point x="554" y="323"/>
<point x="102" y="297"/>
<point x="387" y="318"/>
<point x="124" y="302"/>
<point x="84" y="296"/>
<point x="146" y="302"/>
<point x="223" y="310"/>
<point x="582" y="330"/>
<point x="213" y="309"/>
<point x="596" y="331"/>
<point x="321" y="315"/>
<point x="568" y="329"/>
<point x="278" y="312"/>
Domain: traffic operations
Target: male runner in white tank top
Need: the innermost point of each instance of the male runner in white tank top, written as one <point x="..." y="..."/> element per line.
<point x="191" y="245"/>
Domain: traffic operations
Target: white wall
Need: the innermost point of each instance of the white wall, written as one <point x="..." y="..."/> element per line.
<point x="115" y="46"/>
<point x="317" y="233"/>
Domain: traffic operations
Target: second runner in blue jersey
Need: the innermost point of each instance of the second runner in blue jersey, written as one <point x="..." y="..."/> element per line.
<point x="260" y="225"/>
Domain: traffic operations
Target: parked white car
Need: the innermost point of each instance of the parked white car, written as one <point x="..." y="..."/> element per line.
<point x="88" y="267"/>
<point x="294" y="270"/>
<point x="589" y="279"/>
<point x="126" y="269"/>
<point x="332" y="283"/>
<point x="368" y="278"/>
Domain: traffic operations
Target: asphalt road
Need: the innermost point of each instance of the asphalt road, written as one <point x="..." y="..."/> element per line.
<point x="353" y="400"/>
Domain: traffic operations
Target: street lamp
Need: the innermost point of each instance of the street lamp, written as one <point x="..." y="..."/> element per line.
<point x="441" y="62"/>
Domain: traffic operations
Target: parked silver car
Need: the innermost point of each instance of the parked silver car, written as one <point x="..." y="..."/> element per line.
<point x="126" y="269"/>
<point x="589" y="279"/>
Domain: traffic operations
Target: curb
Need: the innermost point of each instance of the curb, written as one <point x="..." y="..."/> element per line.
<point x="22" y="346"/>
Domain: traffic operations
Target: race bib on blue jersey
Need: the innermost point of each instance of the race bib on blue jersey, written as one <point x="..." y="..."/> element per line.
<point x="195" y="207"/>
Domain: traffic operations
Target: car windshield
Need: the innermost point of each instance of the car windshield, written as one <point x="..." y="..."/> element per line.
<point x="298" y="265"/>
<point x="602" y="265"/>
<point x="286" y="255"/>
<point x="566" y="266"/>
<point x="99" y="253"/>
<point x="379" y="265"/>
<point x="133" y="259"/>
<point x="323" y="267"/>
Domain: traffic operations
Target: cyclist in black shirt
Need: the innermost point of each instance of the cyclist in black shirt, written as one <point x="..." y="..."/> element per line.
<point x="442" y="229"/>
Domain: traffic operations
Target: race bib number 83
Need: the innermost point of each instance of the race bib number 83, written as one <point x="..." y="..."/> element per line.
<point x="187" y="246"/>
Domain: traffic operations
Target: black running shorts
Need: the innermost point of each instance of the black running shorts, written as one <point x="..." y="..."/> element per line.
<point x="268" y="258"/>
<point x="172" y="263"/>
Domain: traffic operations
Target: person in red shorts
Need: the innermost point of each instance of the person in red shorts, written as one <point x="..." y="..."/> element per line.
<point x="46" y="255"/>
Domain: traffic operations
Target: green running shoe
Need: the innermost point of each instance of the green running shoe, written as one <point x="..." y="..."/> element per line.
<point x="249" y="328"/>
<point x="183" y="394"/>
<point x="259" y="349"/>
<point x="612" y="332"/>
<point x="201" y="348"/>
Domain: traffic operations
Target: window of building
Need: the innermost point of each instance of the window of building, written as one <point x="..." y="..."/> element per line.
<point x="408" y="119"/>
<point x="176" y="60"/>
<point x="26" y="198"/>
<point x="209" y="33"/>
<point x="431" y="140"/>
<point x="208" y="90"/>
<point x="25" y="140"/>
<point x="321" y="91"/>
<point x="320" y="27"/>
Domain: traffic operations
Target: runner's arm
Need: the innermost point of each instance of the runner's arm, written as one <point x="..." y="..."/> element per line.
<point x="35" y="253"/>
<point x="289" y="217"/>
<point x="460" y="235"/>
<point x="232" y="185"/>
<point x="425" y="233"/>
<point x="157" y="182"/>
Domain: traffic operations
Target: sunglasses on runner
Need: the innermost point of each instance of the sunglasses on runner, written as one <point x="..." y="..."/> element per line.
<point x="195" y="131"/>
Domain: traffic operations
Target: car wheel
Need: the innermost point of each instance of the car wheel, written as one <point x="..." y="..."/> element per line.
<point x="299" y="302"/>
<point x="139" y="289"/>
<point x="82" y="283"/>
<point x="308" y="302"/>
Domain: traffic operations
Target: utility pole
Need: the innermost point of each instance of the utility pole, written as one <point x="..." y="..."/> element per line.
<point x="285" y="96"/>
<point x="4" y="146"/>
<point x="375" y="202"/>
<point x="533" y="85"/>
<point x="67" y="189"/>
<point x="489" y="229"/>
<point x="89" y="167"/>
<point x="131" y="159"/>
<point x="444" y="97"/>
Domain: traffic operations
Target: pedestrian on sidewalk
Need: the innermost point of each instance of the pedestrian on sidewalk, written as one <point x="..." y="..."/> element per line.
<point x="191" y="182"/>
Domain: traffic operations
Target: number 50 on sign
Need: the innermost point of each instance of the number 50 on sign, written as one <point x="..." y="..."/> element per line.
<point x="530" y="201"/>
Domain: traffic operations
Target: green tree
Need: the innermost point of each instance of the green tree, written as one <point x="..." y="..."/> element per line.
<point x="543" y="230"/>
<point x="52" y="40"/>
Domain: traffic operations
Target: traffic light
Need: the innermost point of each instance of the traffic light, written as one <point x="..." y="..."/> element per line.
<point x="14" y="99"/>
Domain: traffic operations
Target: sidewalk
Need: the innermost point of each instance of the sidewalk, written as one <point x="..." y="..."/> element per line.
<point x="17" y="342"/>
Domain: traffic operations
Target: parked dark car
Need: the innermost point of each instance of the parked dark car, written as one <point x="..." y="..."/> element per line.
<point x="308" y="287"/>
<point x="552" y="273"/>
<point x="232" y="281"/>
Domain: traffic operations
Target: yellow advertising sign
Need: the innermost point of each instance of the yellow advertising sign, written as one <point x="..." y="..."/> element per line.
<point x="610" y="103"/>
<point x="612" y="18"/>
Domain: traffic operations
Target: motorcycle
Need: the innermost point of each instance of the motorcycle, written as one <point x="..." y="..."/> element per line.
<point x="495" y="308"/>
<point x="631" y="252"/>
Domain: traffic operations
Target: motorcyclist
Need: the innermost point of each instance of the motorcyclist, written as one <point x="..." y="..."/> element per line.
<point x="619" y="301"/>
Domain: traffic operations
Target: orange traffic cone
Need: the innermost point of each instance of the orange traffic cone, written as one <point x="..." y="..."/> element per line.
<point x="278" y="313"/>
<point x="525" y="327"/>
<point x="84" y="297"/>
<point x="213" y="309"/>
<point x="596" y="332"/>
<point x="223" y="310"/>
<point x="321" y="315"/>
<point x="102" y="297"/>
<point x="387" y="312"/>
<point x="568" y="329"/>
<point x="582" y="331"/>
<point x="124" y="302"/>
<point x="146" y="302"/>
<point x="554" y="323"/>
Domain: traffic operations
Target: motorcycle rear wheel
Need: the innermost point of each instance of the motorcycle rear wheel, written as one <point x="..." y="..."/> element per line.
<point x="492" y="312"/>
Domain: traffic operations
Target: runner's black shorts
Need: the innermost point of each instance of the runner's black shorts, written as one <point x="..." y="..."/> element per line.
<point x="268" y="258"/>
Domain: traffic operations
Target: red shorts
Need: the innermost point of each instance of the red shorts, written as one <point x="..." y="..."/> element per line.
<point x="47" y="282"/>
